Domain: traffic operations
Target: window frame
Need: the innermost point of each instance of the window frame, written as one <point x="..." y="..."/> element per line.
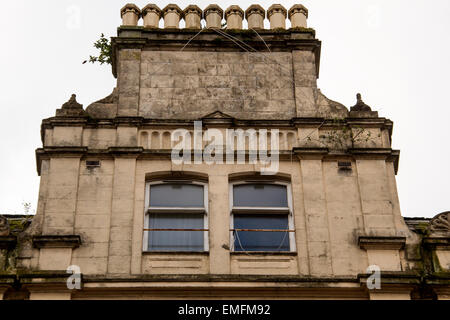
<point x="187" y="210"/>
<point x="263" y="210"/>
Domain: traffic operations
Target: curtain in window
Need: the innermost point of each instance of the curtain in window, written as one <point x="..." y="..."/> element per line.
<point x="176" y="240"/>
<point x="261" y="240"/>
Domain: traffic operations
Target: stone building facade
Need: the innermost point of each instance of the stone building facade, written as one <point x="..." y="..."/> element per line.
<point x="126" y="217"/>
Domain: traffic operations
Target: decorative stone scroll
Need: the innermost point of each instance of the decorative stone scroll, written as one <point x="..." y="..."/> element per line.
<point x="440" y="223"/>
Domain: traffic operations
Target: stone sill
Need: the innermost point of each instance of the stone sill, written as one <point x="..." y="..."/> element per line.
<point x="57" y="241"/>
<point x="206" y="253"/>
<point x="264" y="253"/>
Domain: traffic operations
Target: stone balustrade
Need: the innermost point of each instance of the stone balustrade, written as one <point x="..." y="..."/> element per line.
<point x="213" y="15"/>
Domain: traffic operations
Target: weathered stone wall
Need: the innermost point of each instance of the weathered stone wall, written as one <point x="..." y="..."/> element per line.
<point x="190" y="85"/>
<point x="329" y="213"/>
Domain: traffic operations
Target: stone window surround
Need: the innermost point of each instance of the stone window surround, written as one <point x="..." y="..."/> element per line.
<point x="289" y="211"/>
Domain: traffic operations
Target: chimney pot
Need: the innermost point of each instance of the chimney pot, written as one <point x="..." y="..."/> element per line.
<point x="213" y="15"/>
<point x="255" y="16"/>
<point x="130" y="14"/>
<point x="172" y="15"/>
<point x="277" y="16"/>
<point x="298" y="14"/>
<point x="234" y="16"/>
<point x="151" y="14"/>
<point x="193" y="17"/>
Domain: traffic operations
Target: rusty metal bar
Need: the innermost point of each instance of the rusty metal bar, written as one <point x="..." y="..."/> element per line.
<point x="176" y="229"/>
<point x="263" y="230"/>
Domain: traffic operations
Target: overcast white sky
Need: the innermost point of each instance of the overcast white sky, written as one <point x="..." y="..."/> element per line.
<point x="395" y="52"/>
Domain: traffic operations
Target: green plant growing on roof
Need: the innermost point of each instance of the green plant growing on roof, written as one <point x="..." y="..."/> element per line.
<point x="105" y="51"/>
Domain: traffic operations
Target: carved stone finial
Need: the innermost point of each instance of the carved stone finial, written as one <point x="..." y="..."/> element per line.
<point x="360" y="105"/>
<point x="4" y="226"/>
<point x="441" y="223"/>
<point x="71" y="108"/>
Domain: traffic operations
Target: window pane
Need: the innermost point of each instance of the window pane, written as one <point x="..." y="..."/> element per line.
<point x="175" y="240"/>
<point x="176" y="195"/>
<point x="260" y="195"/>
<point x="261" y="241"/>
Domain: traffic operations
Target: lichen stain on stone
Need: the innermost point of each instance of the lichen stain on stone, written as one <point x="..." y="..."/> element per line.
<point x="130" y="55"/>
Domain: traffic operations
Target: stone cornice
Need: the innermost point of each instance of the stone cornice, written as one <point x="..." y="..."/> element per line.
<point x="391" y="281"/>
<point x="125" y="152"/>
<point x="217" y="278"/>
<point x="378" y="153"/>
<point x="57" y="241"/>
<point x="381" y="243"/>
<point x="140" y="122"/>
<point x="439" y="243"/>
<point x="141" y="153"/>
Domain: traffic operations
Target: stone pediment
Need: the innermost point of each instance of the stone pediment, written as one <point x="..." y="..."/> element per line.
<point x="217" y="115"/>
<point x="217" y="118"/>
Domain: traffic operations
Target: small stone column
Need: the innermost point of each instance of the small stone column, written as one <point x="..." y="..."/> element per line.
<point x="298" y="15"/>
<point x="213" y="15"/>
<point x="130" y="15"/>
<point x="255" y="16"/>
<point x="151" y="15"/>
<point x="193" y="16"/>
<point x="172" y="15"/>
<point x="234" y="16"/>
<point x="277" y="16"/>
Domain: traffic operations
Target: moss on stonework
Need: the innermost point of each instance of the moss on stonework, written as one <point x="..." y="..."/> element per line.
<point x="437" y="268"/>
<point x="19" y="225"/>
